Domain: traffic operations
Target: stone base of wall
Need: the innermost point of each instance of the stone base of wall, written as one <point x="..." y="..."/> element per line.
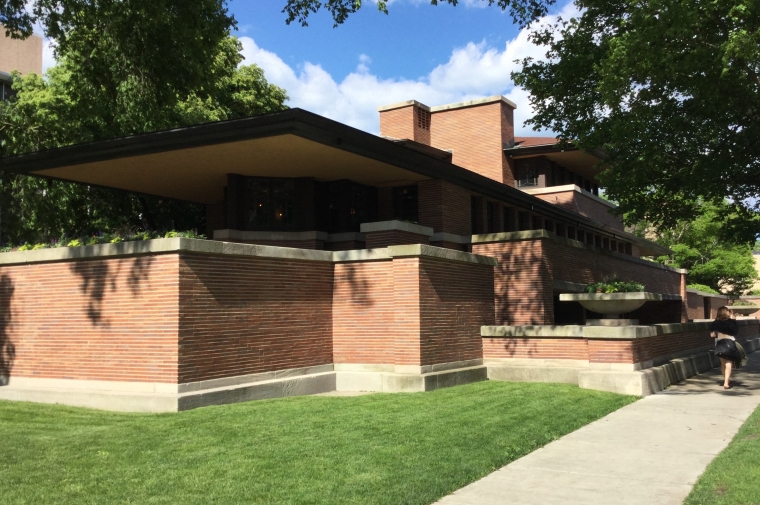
<point x="613" y="378"/>
<point x="163" y="397"/>
<point x="408" y="379"/>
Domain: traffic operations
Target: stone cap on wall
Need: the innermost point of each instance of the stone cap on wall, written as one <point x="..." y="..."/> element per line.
<point x="565" y="188"/>
<point x="227" y="234"/>
<point x="198" y="246"/>
<point x="517" y="236"/>
<point x="705" y="294"/>
<point x="396" y="225"/>
<point x="598" y="332"/>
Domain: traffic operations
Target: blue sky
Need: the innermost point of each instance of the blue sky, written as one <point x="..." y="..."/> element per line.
<point x="433" y="54"/>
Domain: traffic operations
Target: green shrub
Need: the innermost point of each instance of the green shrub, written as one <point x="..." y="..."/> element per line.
<point x="744" y="303"/>
<point x="704" y="288"/>
<point x="106" y="238"/>
<point x="613" y="285"/>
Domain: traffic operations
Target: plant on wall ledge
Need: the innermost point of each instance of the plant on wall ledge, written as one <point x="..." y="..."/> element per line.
<point x="613" y="285"/>
<point x="104" y="238"/>
<point x="743" y="303"/>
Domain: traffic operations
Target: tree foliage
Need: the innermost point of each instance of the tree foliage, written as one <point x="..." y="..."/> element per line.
<point x="109" y="81"/>
<point x="669" y="89"/>
<point x="522" y="11"/>
<point x="706" y="247"/>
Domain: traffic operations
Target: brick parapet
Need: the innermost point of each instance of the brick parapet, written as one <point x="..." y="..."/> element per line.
<point x="182" y="311"/>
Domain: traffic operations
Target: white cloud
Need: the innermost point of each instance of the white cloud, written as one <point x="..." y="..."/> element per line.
<point x="473" y="71"/>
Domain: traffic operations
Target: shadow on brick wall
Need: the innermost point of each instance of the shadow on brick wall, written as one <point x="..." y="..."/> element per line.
<point x="7" y="349"/>
<point x="99" y="277"/>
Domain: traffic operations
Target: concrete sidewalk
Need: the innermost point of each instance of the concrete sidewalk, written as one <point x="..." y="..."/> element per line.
<point x="648" y="453"/>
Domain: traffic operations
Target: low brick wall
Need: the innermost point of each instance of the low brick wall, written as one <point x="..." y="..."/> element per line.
<point x="111" y="319"/>
<point x="653" y="344"/>
<point x="179" y="311"/>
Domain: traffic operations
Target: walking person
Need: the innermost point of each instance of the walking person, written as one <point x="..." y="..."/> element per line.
<point x="730" y="352"/>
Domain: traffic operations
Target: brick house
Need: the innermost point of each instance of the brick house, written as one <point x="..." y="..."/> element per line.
<point x="339" y="260"/>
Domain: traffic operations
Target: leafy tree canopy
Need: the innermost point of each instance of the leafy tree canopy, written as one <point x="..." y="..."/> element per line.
<point x="113" y="81"/>
<point x="706" y="247"/>
<point x="669" y="89"/>
<point x="522" y="11"/>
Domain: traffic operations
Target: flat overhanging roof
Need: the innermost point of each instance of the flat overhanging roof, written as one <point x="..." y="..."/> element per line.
<point x="570" y="157"/>
<point x="192" y="163"/>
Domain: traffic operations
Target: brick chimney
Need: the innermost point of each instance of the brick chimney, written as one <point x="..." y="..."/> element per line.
<point x="477" y="132"/>
<point x="406" y="120"/>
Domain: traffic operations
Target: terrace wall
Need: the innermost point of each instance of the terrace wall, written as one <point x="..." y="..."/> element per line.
<point x="530" y="262"/>
<point x="246" y="315"/>
<point x="113" y="319"/>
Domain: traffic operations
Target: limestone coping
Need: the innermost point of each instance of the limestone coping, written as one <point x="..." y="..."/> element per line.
<point x="706" y="294"/>
<point x="396" y="225"/>
<point x="516" y="236"/>
<point x="471" y="103"/>
<point x="636" y="295"/>
<point x="287" y="235"/>
<point x="448" y="106"/>
<point x="598" y="332"/>
<point x="568" y="187"/>
<point x="176" y="245"/>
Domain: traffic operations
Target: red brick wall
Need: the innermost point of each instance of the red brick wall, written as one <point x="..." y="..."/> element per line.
<point x="580" y="265"/>
<point x="583" y="205"/>
<point x="244" y="315"/>
<point x="378" y="239"/>
<point x="522" y="282"/>
<point x="406" y="311"/>
<point x="112" y="319"/>
<point x="402" y="123"/>
<point x="476" y="135"/>
<point x="363" y="313"/>
<point x="536" y="348"/>
<point x="444" y="207"/>
<point x="606" y="351"/>
<point x="398" y="123"/>
<point x="456" y="299"/>
<point x="695" y="306"/>
<point x="526" y="270"/>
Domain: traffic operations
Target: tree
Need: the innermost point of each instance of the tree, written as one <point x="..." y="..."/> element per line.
<point x="522" y="11"/>
<point x="106" y="85"/>
<point x="669" y="89"/>
<point x="706" y="247"/>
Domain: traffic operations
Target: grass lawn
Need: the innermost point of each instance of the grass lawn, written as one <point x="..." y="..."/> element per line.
<point x="734" y="476"/>
<point x="376" y="449"/>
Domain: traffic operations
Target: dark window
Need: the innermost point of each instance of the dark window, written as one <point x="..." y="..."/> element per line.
<point x="560" y="230"/>
<point x="349" y="205"/>
<point x="537" y="222"/>
<point x="509" y="219"/>
<point x="571" y="232"/>
<point x="628" y="249"/>
<point x="526" y="173"/>
<point x="548" y="225"/>
<point x="524" y="221"/>
<point x="491" y="218"/>
<point x="476" y="214"/>
<point x="405" y="203"/>
<point x="270" y="204"/>
<point x="590" y="238"/>
<point x="598" y="241"/>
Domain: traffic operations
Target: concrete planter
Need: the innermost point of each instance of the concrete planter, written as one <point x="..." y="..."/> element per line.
<point x="744" y="310"/>
<point x="611" y="305"/>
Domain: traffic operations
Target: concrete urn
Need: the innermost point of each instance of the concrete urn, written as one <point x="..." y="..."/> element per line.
<point x="611" y="305"/>
<point x="744" y="310"/>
